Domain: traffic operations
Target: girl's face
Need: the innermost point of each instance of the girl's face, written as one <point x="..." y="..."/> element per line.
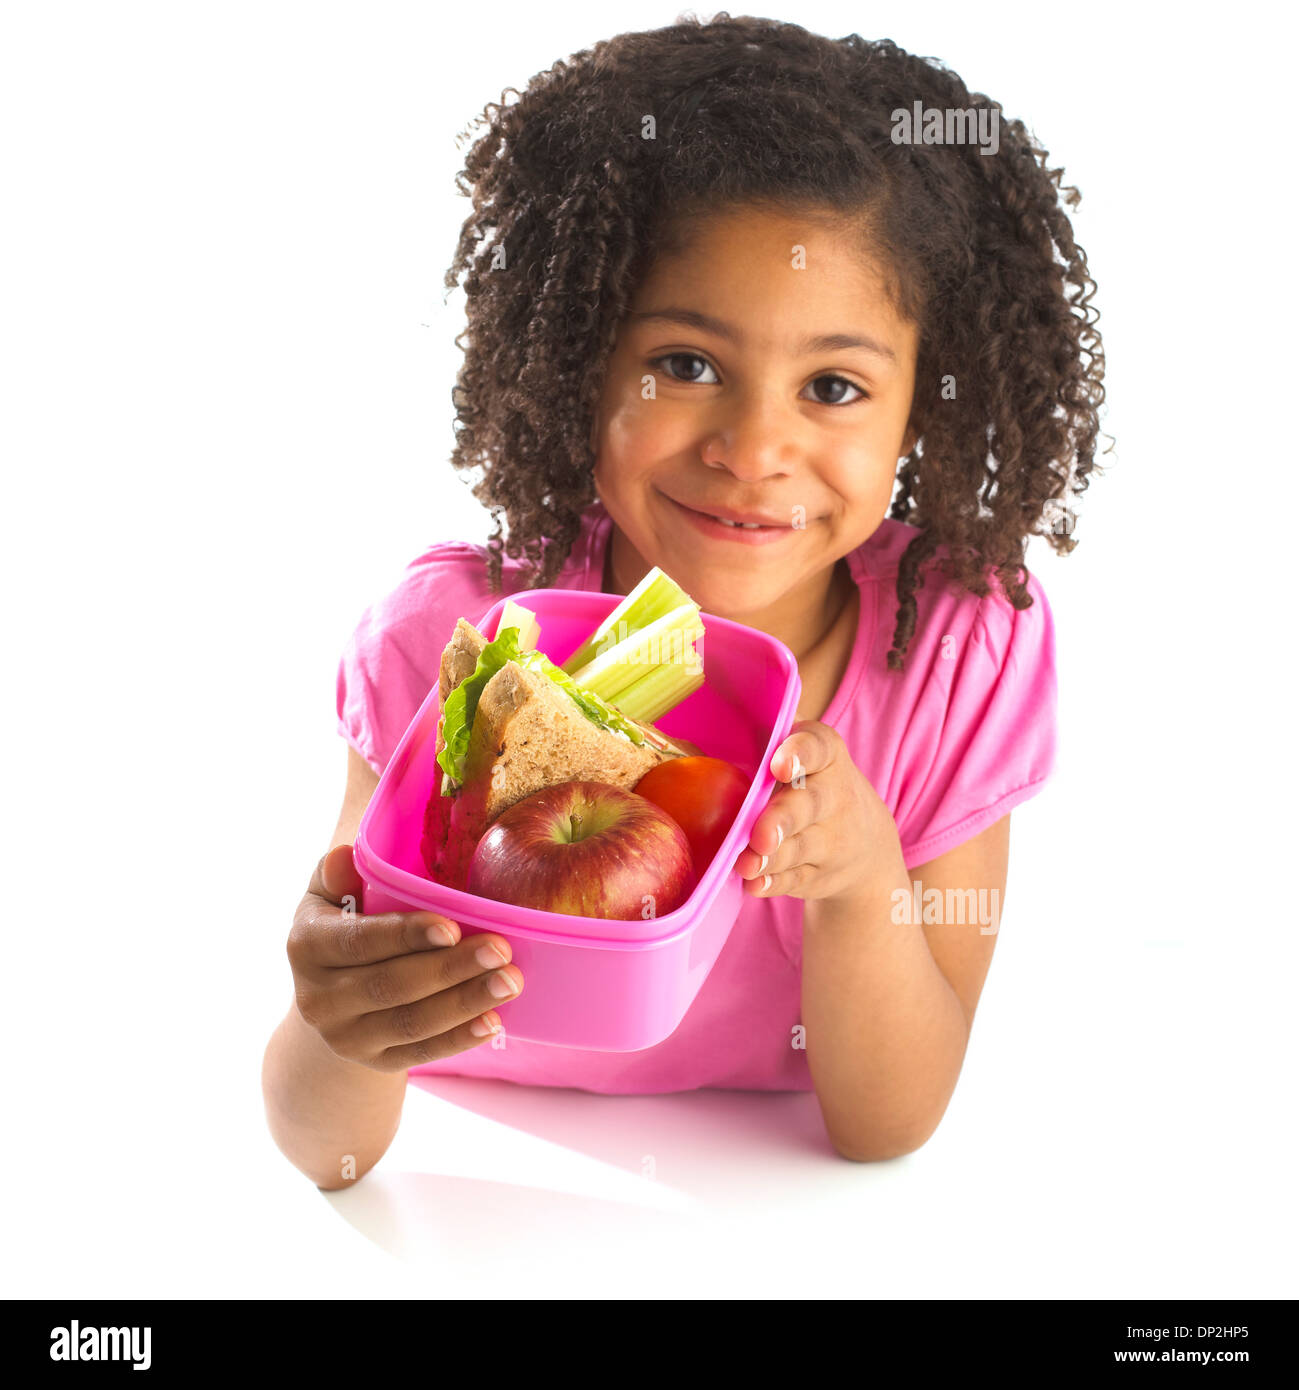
<point x="718" y="397"/>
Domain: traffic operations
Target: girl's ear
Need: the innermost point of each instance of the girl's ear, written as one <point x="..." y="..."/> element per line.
<point x="908" y="441"/>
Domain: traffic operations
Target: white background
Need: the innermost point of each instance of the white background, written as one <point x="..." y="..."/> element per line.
<point x="227" y="367"/>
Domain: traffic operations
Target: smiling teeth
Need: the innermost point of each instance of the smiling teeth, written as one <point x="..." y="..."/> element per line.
<point x="746" y="525"/>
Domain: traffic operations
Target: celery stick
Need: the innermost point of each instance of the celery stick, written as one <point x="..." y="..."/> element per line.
<point x="654" y="597"/>
<point x="662" y="689"/>
<point x="670" y="639"/>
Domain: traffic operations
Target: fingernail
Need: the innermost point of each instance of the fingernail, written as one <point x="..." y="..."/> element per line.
<point x="766" y="882"/>
<point x="485" y="1026"/>
<point x="780" y="836"/>
<point x="763" y="865"/>
<point x="489" y="957"/>
<point x="441" y="935"/>
<point x="500" y="985"/>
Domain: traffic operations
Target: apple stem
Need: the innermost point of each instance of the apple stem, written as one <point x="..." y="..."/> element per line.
<point x="572" y="824"/>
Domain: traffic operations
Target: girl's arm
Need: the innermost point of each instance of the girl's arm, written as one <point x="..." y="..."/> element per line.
<point x="323" y="1110"/>
<point x="889" y="993"/>
<point x="321" y="1107"/>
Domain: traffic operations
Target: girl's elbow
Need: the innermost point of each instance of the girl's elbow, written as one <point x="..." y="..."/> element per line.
<point x="347" y="1175"/>
<point x="880" y="1147"/>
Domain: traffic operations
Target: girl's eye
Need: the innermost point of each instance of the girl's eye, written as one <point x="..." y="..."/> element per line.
<point x="843" y="381"/>
<point x="682" y="357"/>
<point x="699" y="381"/>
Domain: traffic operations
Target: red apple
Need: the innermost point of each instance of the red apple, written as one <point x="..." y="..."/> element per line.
<point x="585" y="849"/>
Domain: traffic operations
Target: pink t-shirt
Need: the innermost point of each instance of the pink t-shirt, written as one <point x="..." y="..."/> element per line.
<point x="951" y="744"/>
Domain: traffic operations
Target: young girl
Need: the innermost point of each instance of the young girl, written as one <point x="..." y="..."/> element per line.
<point x="737" y="272"/>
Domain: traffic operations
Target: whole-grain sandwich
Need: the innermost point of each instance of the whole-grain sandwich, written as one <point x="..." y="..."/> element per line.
<point x="513" y="723"/>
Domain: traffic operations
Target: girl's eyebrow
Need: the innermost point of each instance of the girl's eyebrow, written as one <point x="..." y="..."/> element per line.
<point x="823" y="342"/>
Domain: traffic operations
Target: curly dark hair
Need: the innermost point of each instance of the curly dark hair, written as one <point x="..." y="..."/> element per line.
<point x="572" y="205"/>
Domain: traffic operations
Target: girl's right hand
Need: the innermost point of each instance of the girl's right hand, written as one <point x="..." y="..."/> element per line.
<point x="389" y="991"/>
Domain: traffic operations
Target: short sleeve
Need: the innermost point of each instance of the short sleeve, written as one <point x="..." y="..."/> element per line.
<point x="391" y="660"/>
<point x="993" y="742"/>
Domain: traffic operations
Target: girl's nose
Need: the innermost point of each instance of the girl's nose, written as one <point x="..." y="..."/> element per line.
<point x="750" y="452"/>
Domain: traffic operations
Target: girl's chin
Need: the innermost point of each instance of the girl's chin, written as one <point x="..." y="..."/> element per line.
<point x="727" y="598"/>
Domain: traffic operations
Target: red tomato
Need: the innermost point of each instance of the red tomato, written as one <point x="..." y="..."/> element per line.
<point x="703" y="795"/>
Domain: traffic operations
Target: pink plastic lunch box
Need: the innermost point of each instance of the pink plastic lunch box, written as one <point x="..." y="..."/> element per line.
<point x="610" y="986"/>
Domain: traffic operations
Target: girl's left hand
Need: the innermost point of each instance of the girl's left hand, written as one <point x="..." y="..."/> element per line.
<point x="825" y="833"/>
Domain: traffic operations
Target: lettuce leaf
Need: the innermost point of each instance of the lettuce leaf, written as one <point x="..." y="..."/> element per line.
<point x="462" y="703"/>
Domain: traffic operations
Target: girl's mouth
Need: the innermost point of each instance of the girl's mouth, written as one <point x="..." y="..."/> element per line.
<point x="717" y="529"/>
